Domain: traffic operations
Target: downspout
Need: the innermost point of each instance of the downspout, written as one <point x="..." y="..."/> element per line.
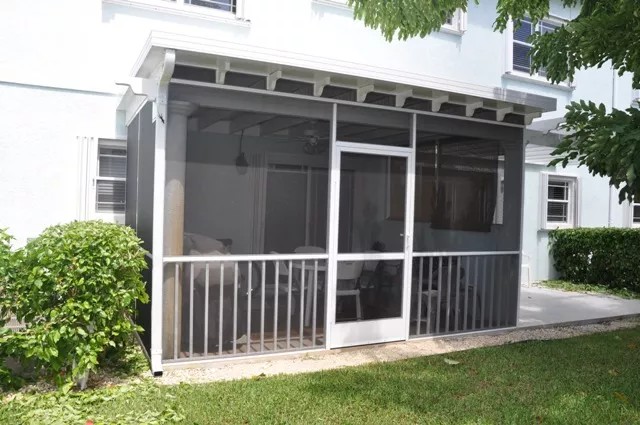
<point x="614" y="87"/>
<point x="163" y="77"/>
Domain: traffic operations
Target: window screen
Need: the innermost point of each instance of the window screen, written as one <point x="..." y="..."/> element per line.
<point x="636" y="214"/>
<point x="522" y="45"/>
<point x="111" y="179"/>
<point x="466" y="185"/>
<point x="558" y="201"/>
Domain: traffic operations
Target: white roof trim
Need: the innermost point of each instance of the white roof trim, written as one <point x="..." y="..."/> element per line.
<point x="206" y="52"/>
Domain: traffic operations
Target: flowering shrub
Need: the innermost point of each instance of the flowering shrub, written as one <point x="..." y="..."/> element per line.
<point x="75" y="288"/>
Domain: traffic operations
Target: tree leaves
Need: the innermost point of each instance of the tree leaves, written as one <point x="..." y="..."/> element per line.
<point x="604" y="32"/>
<point x="403" y="19"/>
<point x="607" y="143"/>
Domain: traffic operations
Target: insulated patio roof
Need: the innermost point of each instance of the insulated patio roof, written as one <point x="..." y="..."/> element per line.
<point x="232" y="64"/>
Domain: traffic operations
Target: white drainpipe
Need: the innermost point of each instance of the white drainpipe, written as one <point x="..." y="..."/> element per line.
<point x="614" y="87"/>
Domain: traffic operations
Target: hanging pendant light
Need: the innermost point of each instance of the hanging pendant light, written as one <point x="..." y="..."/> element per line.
<point x="242" y="165"/>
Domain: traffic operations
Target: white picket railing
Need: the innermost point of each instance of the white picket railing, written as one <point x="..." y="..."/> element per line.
<point x="462" y="292"/>
<point x="234" y="305"/>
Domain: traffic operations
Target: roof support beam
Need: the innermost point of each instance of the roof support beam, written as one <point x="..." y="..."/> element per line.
<point x="502" y="110"/>
<point x="470" y="108"/>
<point x="363" y="91"/>
<point x="272" y="79"/>
<point x="402" y="94"/>
<point x="319" y="83"/>
<point x="437" y="100"/>
<point x="224" y="65"/>
<point x="528" y="118"/>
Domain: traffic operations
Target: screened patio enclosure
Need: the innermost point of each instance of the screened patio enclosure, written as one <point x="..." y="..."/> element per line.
<point x="282" y="218"/>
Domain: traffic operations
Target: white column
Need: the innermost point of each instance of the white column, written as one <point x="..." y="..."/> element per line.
<point x="176" y="158"/>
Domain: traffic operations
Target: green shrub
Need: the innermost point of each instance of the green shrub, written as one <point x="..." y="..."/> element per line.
<point x="75" y="287"/>
<point x="7" y="264"/>
<point x="607" y="256"/>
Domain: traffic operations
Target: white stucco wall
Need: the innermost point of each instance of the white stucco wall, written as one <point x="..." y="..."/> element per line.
<point x="593" y="211"/>
<point x="60" y="61"/>
<point x="39" y="153"/>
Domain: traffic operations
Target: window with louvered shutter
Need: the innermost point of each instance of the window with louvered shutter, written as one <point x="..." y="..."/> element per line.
<point x="111" y="179"/>
<point x="225" y="5"/>
<point x="635" y="218"/>
<point x="522" y="46"/>
<point x="559" y="201"/>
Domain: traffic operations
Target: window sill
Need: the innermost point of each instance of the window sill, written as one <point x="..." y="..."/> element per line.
<point x="556" y="227"/>
<point x="521" y="76"/>
<point x="187" y="10"/>
<point x="333" y="3"/>
<point x="452" y="31"/>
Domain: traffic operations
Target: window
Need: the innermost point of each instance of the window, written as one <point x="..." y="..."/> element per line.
<point x="456" y="24"/>
<point x="559" y="206"/>
<point x="338" y="3"/>
<point x="225" y="10"/>
<point x="635" y="215"/>
<point x="521" y="46"/>
<point x="110" y="179"/>
<point x="225" y="5"/>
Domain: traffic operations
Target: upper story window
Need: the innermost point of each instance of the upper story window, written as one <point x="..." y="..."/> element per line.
<point x="518" y="62"/>
<point x="226" y="5"/>
<point x="560" y="201"/>
<point x="340" y="3"/>
<point x="456" y="24"/>
<point x="219" y="10"/>
<point x="635" y="215"/>
<point x="522" y="47"/>
<point x="110" y="179"/>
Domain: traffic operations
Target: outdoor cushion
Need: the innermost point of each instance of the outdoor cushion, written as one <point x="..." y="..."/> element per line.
<point x="199" y="270"/>
<point x="203" y="244"/>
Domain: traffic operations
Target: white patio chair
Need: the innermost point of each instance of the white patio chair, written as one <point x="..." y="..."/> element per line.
<point x="348" y="275"/>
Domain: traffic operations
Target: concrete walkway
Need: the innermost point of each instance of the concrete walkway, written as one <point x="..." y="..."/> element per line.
<point x="542" y="306"/>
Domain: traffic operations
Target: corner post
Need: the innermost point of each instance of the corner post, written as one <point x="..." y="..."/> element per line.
<point x="163" y="76"/>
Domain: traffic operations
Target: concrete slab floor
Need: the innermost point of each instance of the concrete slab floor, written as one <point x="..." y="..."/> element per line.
<point x="543" y="306"/>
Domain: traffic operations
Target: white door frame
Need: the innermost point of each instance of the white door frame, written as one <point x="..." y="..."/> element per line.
<point x="381" y="330"/>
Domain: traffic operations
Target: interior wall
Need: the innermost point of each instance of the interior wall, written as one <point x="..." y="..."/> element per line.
<point x="504" y="235"/>
<point x="220" y="202"/>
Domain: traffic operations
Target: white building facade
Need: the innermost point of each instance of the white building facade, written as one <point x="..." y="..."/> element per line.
<point x="78" y="78"/>
<point x="61" y="62"/>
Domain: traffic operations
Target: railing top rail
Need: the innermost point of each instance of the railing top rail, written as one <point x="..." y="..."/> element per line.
<point x="231" y="257"/>
<point x="463" y="253"/>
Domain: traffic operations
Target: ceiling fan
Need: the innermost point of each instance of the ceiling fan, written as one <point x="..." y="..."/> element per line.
<point x="314" y="144"/>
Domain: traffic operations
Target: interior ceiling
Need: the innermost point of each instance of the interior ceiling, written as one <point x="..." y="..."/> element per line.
<point x="291" y="128"/>
<point x="340" y="87"/>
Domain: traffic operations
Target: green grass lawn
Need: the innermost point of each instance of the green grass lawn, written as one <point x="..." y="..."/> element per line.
<point x="589" y="288"/>
<point x="586" y="380"/>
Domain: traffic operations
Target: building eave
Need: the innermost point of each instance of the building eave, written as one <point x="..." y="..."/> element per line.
<point x="275" y="64"/>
